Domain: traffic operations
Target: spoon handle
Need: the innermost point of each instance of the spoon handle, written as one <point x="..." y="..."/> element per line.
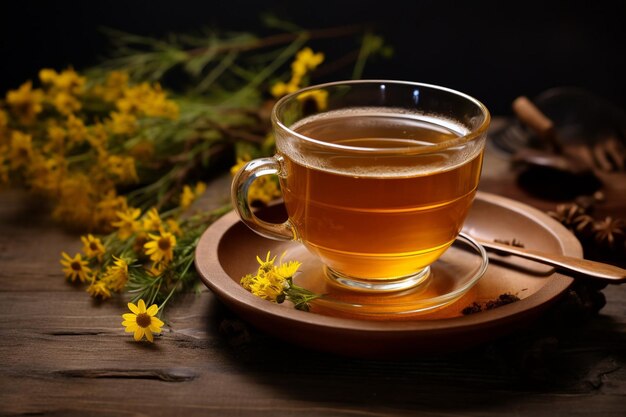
<point x="593" y="269"/>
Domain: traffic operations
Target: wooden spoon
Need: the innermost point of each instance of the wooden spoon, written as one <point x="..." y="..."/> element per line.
<point x="578" y="266"/>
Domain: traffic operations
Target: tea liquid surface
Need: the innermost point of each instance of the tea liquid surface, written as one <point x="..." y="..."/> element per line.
<point x="379" y="217"/>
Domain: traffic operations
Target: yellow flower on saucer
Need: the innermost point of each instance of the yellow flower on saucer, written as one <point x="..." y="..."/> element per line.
<point x="75" y="267"/>
<point x="142" y="322"/>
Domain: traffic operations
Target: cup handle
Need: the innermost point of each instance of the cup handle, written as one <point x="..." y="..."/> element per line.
<point x="239" y="195"/>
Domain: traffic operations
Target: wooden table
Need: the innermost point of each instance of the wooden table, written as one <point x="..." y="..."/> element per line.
<point x="61" y="353"/>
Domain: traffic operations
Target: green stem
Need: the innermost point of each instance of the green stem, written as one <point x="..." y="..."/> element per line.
<point x="272" y="67"/>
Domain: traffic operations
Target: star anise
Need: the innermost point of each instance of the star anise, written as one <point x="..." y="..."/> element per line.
<point x="566" y="213"/>
<point x="609" y="231"/>
<point x="583" y="226"/>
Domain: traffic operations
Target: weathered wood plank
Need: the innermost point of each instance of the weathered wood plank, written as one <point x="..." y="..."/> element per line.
<point x="61" y="353"/>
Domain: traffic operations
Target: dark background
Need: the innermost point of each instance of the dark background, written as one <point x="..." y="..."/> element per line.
<point x="492" y="50"/>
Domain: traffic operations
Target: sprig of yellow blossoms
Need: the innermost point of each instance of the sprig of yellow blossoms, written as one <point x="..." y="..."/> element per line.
<point x="148" y="253"/>
<point x="275" y="282"/>
<point x="70" y="141"/>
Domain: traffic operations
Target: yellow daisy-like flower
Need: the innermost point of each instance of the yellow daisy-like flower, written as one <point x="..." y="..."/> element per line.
<point x="142" y="322"/>
<point x="267" y="264"/>
<point x="92" y="247"/>
<point x="116" y="276"/>
<point x="99" y="289"/>
<point x="75" y="267"/>
<point x="127" y="224"/>
<point x="288" y="269"/>
<point x="151" y="220"/>
<point x="269" y="286"/>
<point x="161" y="248"/>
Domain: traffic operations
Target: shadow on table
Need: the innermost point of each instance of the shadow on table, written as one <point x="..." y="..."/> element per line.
<point x="568" y="352"/>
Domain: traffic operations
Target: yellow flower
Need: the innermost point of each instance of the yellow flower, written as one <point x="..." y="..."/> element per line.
<point x="318" y="97"/>
<point x="113" y="87"/>
<point x="97" y="136"/>
<point x="68" y="80"/>
<point x="151" y="220"/>
<point x="274" y="283"/>
<point x="75" y="267"/>
<point x="65" y="103"/>
<point x="25" y="102"/>
<point x="122" y="123"/>
<point x="56" y="138"/>
<point x="306" y="60"/>
<point x="76" y="129"/>
<point x="142" y="322"/>
<point x="263" y="189"/>
<point x="144" y="99"/>
<point x="99" y="289"/>
<point x="93" y="247"/>
<point x="127" y="224"/>
<point x="288" y="269"/>
<point x="267" y="283"/>
<point x="190" y="195"/>
<point x="122" y="167"/>
<point x="187" y="197"/>
<point x="160" y="248"/>
<point x="246" y="281"/>
<point x="21" y="149"/>
<point x="269" y="286"/>
<point x="116" y="276"/>
<point x="47" y="75"/>
<point x="267" y="264"/>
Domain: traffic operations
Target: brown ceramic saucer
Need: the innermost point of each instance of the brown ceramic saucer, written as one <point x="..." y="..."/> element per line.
<point x="228" y="249"/>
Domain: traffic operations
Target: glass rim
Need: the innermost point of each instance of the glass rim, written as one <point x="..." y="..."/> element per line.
<point x="417" y="149"/>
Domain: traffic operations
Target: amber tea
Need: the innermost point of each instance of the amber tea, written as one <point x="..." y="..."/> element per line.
<point x="377" y="177"/>
<point x="379" y="220"/>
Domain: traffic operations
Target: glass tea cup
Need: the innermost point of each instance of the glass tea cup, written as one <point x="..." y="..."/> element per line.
<point x="377" y="177"/>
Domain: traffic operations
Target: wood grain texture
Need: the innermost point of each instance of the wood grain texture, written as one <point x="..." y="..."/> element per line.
<point x="62" y="354"/>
